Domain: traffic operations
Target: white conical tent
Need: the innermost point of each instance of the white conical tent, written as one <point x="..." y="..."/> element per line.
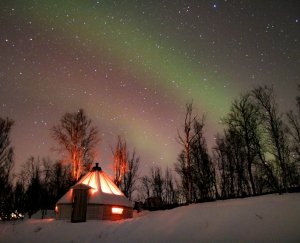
<point x="103" y="191"/>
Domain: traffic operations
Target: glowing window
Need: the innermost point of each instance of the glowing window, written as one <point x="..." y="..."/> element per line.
<point x="116" y="210"/>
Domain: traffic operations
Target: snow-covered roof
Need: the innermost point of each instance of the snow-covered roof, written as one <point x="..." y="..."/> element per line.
<point x="103" y="190"/>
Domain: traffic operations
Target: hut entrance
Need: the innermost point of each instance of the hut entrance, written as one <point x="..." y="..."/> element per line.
<point x="79" y="203"/>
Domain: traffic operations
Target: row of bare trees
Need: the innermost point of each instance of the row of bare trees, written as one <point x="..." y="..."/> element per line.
<point x="159" y="184"/>
<point x="257" y="153"/>
<point x="41" y="182"/>
<point x="77" y="139"/>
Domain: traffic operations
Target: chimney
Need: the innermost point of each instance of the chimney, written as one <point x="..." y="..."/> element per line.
<point x="96" y="167"/>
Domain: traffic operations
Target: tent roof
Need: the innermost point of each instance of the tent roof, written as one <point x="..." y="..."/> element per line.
<point x="82" y="186"/>
<point x="103" y="190"/>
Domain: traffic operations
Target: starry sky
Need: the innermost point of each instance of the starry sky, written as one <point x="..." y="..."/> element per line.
<point x="133" y="65"/>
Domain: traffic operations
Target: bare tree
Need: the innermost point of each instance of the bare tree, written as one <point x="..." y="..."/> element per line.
<point x="125" y="168"/>
<point x="145" y="187"/>
<point x="273" y="122"/>
<point x="169" y="188"/>
<point x="203" y="173"/>
<point x="78" y="139"/>
<point x="185" y="140"/>
<point x="61" y="179"/>
<point x="230" y="156"/>
<point x="6" y="150"/>
<point x="241" y="153"/>
<point x="120" y="161"/>
<point x="182" y="171"/>
<point x="244" y="120"/>
<point x="157" y="181"/>
<point x="19" y="197"/>
<point x="6" y="164"/>
<point x="31" y="176"/>
<point x="131" y="176"/>
<point x="294" y="131"/>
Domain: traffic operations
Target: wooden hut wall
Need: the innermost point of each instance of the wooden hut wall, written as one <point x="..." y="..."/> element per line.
<point x="64" y="211"/>
<point x="94" y="212"/>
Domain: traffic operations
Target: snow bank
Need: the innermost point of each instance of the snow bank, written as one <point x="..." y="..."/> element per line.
<point x="271" y="218"/>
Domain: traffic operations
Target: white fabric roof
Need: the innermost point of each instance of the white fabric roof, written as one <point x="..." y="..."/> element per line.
<point x="104" y="190"/>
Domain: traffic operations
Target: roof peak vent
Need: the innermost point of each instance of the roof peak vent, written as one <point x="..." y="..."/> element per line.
<point x="97" y="167"/>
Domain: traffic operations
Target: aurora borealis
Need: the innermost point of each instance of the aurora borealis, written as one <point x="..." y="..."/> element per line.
<point x="132" y="66"/>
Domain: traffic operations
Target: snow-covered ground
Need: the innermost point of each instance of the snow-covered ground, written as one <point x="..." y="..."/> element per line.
<point x="271" y="218"/>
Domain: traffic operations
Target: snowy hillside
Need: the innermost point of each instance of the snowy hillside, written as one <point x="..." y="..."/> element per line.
<point x="271" y="218"/>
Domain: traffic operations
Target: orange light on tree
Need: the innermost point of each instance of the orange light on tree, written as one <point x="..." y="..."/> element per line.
<point x="117" y="210"/>
<point x="120" y="161"/>
<point x="78" y="139"/>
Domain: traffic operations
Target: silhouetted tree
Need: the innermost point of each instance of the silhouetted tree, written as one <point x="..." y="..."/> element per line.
<point x="145" y="188"/>
<point x="19" y="198"/>
<point x="31" y="174"/>
<point x="61" y="180"/>
<point x="6" y="164"/>
<point x="170" y="194"/>
<point x="243" y="119"/>
<point x="40" y="184"/>
<point x="130" y="177"/>
<point x="78" y="139"/>
<point x="294" y="132"/>
<point x="274" y="125"/>
<point x="185" y="140"/>
<point x="194" y="165"/>
<point x="230" y="158"/>
<point x="46" y="195"/>
<point x="244" y="148"/>
<point x="157" y="181"/>
<point x="182" y="170"/>
<point x="203" y="173"/>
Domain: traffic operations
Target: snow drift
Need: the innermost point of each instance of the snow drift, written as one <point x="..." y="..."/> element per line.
<point x="271" y="218"/>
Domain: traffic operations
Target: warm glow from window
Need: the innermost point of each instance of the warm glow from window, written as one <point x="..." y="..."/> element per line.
<point x="117" y="210"/>
<point x="56" y="209"/>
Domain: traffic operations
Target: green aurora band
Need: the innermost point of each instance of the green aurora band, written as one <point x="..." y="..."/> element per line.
<point x="162" y="64"/>
<point x="141" y="53"/>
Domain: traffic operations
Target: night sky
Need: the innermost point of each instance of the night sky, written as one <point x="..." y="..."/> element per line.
<point x="133" y="65"/>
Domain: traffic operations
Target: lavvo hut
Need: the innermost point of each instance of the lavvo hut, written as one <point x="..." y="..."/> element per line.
<point x="95" y="196"/>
